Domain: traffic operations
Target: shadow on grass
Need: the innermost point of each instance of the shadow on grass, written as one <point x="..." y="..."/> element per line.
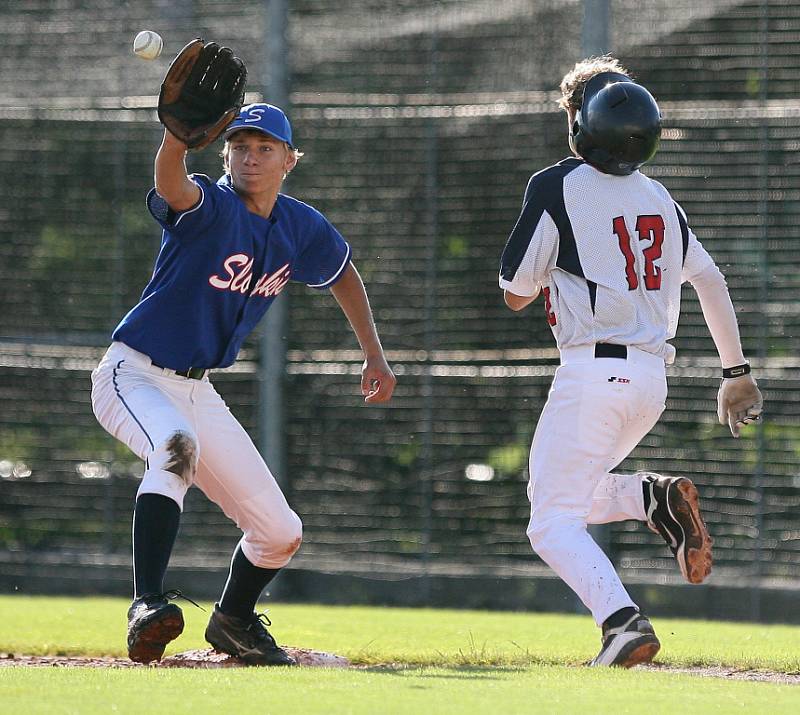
<point x="452" y="672"/>
<point x="474" y="658"/>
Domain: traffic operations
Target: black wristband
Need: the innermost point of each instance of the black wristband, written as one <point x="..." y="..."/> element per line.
<point x="737" y="371"/>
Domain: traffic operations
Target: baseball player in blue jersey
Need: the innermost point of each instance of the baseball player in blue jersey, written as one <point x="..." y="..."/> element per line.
<point x="609" y="249"/>
<point x="228" y="249"/>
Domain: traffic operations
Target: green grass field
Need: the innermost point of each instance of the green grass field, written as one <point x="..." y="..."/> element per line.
<point x="412" y="661"/>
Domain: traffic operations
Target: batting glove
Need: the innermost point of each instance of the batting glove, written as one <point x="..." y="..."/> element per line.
<point x="739" y="402"/>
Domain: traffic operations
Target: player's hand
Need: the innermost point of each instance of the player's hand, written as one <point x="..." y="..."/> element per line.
<point x="739" y="402"/>
<point x="377" y="380"/>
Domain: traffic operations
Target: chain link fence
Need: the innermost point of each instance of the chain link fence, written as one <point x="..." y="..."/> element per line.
<point x="421" y="123"/>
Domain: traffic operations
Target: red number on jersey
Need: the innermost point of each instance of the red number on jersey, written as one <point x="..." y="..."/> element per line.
<point x="625" y="246"/>
<point x="648" y="227"/>
<point x="548" y="308"/>
<point x="651" y="227"/>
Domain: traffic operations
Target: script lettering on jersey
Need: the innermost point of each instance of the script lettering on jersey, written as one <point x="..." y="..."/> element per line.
<point x="239" y="270"/>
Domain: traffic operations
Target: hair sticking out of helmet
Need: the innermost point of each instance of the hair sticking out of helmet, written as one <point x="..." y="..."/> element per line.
<point x="618" y="126"/>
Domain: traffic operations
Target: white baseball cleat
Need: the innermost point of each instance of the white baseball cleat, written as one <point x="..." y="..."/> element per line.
<point x="632" y="643"/>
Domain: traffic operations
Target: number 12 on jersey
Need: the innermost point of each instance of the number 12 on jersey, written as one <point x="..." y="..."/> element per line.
<point x="648" y="228"/>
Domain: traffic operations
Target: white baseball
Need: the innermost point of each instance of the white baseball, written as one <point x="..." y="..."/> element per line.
<point x="147" y="45"/>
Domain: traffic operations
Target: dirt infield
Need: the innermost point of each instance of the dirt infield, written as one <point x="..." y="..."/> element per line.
<point x="209" y="658"/>
<point x="767" y="676"/>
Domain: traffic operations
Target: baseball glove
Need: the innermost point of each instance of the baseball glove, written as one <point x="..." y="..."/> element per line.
<point x="202" y="92"/>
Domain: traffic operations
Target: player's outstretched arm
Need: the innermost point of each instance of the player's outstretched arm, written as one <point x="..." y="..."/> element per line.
<point x="377" y="378"/>
<point x="171" y="180"/>
<point x="739" y="401"/>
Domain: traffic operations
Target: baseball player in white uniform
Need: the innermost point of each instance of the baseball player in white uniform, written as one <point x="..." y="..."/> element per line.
<point x="609" y="249"/>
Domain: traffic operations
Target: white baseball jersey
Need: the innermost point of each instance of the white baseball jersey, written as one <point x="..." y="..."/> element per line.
<point x="610" y="254"/>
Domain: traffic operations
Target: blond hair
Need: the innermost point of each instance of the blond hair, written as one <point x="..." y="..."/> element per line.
<point x="575" y="80"/>
<point x="226" y="148"/>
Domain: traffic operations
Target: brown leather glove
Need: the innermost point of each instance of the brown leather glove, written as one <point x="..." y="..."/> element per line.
<point x="202" y="93"/>
<point x="739" y="402"/>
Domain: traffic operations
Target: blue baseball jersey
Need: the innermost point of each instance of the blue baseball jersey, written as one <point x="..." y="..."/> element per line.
<point x="218" y="271"/>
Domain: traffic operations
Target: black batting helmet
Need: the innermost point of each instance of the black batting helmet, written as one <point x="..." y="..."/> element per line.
<point x="618" y="126"/>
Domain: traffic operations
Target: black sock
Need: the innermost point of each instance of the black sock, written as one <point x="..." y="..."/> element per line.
<point x="155" y="526"/>
<point x="244" y="586"/>
<point x="618" y="618"/>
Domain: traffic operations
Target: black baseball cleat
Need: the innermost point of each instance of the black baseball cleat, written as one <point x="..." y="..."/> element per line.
<point x="673" y="511"/>
<point x="632" y="643"/>
<point x="152" y="623"/>
<point x="246" y="638"/>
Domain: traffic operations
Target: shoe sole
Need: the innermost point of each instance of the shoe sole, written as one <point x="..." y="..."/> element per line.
<point x="694" y="553"/>
<point x="638" y="650"/>
<point x="637" y="654"/>
<point x="153" y="637"/>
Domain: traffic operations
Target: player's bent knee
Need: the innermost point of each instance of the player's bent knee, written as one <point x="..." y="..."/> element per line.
<point x="552" y="536"/>
<point x="178" y="454"/>
<point x="536" y="536"/>
<point x="159" y="481"/>
<point x="272" y="545"/>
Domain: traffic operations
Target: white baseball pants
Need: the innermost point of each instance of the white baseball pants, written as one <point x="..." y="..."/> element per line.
<point x="597" y="411"/>
<point x="186" y="434"/>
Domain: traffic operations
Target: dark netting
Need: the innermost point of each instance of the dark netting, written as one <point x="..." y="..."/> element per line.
<point x="421" y="123"/>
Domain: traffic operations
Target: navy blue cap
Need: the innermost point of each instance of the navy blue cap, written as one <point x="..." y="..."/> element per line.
<point x="266" y="118"/>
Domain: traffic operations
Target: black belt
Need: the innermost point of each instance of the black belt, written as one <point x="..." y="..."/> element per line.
<point x="609" y="350"/>
<point x="193" y="373"/>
